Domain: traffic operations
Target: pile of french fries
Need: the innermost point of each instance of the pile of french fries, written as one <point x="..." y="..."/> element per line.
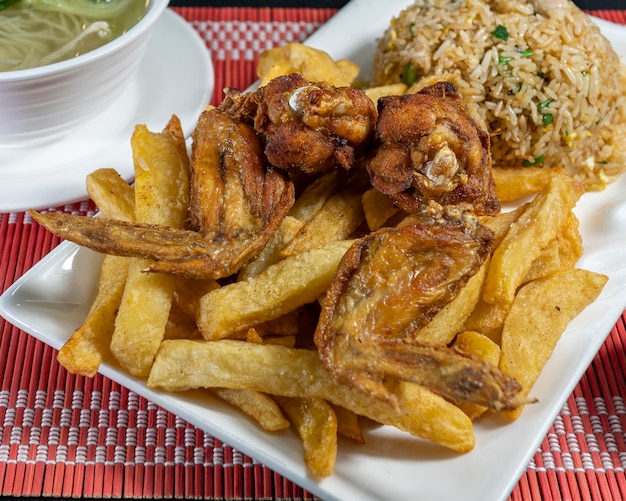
<point x="247" y="339"/>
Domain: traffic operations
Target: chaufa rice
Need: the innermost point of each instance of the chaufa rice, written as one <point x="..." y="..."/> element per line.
<point x="545" y="82"/>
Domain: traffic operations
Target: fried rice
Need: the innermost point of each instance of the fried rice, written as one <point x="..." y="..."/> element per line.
<point x="545" y="82"/>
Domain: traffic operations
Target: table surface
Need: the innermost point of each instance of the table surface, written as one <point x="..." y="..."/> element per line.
<point x="64" y="435"/>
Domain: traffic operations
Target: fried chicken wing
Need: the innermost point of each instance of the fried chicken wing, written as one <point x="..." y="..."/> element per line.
<point x="389" y="285"/>
<point x="237" y="202"/>
<point x="431" y="149"/>
<point x="309" y="127"/>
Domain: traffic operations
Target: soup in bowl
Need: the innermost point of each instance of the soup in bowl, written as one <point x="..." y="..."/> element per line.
<point x="76" y="64"/>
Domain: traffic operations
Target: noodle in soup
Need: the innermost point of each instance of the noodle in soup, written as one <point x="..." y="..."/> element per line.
<point x="39" y="32"/>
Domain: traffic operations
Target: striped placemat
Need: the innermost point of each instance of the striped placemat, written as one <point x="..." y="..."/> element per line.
<point x="69" y="436"/>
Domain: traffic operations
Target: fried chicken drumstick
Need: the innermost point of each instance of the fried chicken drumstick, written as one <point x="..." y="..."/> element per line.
<point x="430" y="148"/>
<point x="389" y="285"/>
<point x="308" y="127"/>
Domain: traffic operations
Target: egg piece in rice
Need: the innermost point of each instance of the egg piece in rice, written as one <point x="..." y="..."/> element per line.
<point x="545" y="82"/>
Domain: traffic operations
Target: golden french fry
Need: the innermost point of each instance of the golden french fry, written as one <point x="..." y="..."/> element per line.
<point x="375" y="93"/>
<point x="270" y="254"/>
<point x="340" y="216"/>
<point x="314" y="196"/>
<point x="501" y="223"/>
<point x="517" y="182"/>
<point x="188" y="291"/>
<point x="316" y="425"/>
<point x="281" y="288"/>
<point x="260" y="407"/>
<point x="184" y="364"/>
<point x="548" y="261"/>
<point x="430" y="80"/>
<point x="281" y="327"/>
<point x="570" y="242"/>
<point x="534" y="229"/>
<point x="88" y="345"/>
<point x="348" y="424"/>
<point x="488" y="319"/>
<point x="313" y="64"/>
<point x="161" y="197"/>
<point x="113" y="196"/>
<point x="180" y="325"/>
<point x="538" y="316"/>
<point x="377" y="208"/>
<point x="481" y="346"/>
<point x="288" y="341"/>
<point x="449" y="320"/>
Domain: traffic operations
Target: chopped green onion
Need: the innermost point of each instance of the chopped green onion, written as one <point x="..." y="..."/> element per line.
<point x="502" y="60"/>
<point x="544" y="104"/>
<point x="584" y="73"/>
<point x="527" y="53"/>
<point x="409" y="77"/>
<point x="501" y="32"/>
<point x="538" y="161"/>
<point x="547" y="119"/>
<point x="412" y="30"/>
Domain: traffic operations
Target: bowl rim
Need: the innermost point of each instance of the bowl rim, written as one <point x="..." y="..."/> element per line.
<point x="155" y="9"/>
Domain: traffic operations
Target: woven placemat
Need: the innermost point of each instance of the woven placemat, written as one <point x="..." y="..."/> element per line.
<point x="69" y="436"/>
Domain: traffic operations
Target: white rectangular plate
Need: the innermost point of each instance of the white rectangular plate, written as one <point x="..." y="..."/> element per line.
<point x="51" y="300"/>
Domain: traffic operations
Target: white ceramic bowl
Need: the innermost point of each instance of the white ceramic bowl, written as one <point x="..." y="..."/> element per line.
<point x="44" y="103"/>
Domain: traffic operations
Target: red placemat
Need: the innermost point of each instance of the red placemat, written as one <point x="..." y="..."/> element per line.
<point x="64" y="435"/>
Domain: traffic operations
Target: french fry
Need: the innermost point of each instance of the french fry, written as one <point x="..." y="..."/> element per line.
<point x="348" y="424"/>
<point x="450" y="319"/>
<point x="375" y="93"/>
<point x="260" y="407"/>
<point x="314" y="196"/>
<point x="316" y="425"/>
<point x="548" y="261"/>
<point x="313" y="64"/>
<point x="113" y="196"/>
<point x="340" y="216"/>
<point x="517" y="182"/>
<point x="179" y="325"/>
<point x="540" y="223"/>
<point x="188" y="291"/>
<point x="501" y="223"/>
<point x="270" y="254"/>
<point x="184" y="364"/>
<point x="488" y="319"/>
<point x="161" y="197"/>
<point x="377" y="208"/>
<point x="570" y="242"/>
<point x="539" y="315"/>
<point x="281" y="288"/>
<point x="481" y="346"/>
<point x="88" y="345"/>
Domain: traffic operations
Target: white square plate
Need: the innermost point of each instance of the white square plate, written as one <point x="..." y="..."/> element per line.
<point x="51" y="300"/>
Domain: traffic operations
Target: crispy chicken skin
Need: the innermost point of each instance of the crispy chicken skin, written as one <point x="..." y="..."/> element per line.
<point x="429" y="148"/>
<point x="309" y="127"/>
<point x="237" y="202"/>
<point x="388" y="286"/>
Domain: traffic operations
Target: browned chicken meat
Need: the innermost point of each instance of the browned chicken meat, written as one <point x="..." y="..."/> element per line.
<point x="389" y="285"/>
<point x="237" y="203"/>
<point x="308" y="127"/>
<point x="431" y="149"/>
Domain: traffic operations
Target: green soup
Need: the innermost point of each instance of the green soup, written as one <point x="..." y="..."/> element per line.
<point x="40" y="32"/>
